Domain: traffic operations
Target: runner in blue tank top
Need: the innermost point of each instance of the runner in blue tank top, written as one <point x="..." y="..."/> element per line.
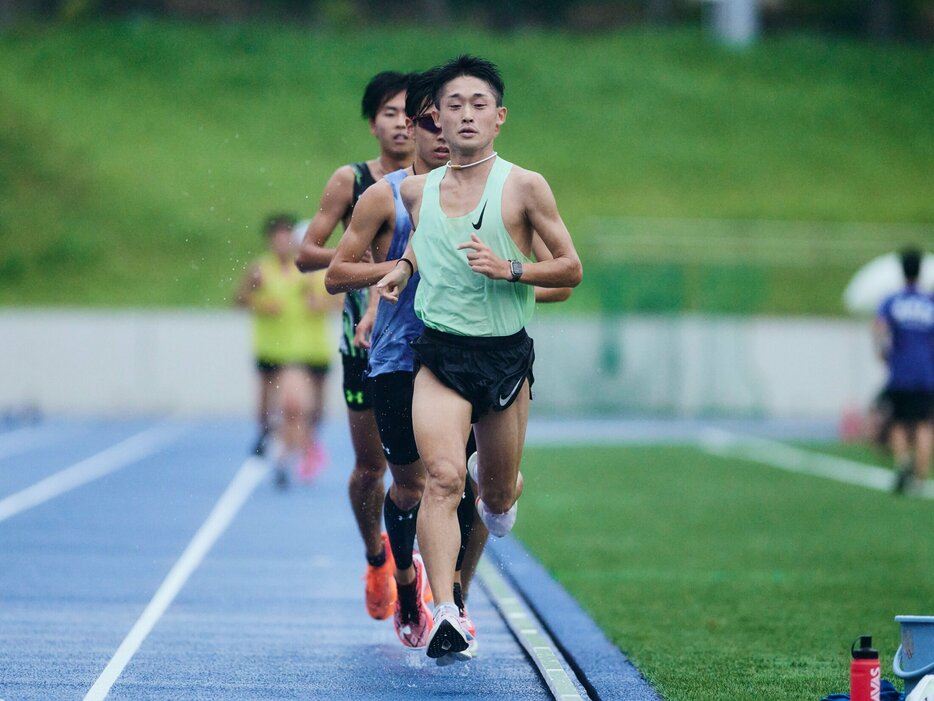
<point x="383" y="105"/>
<point x="904" y="334"/>
<point x="379" y="231"/>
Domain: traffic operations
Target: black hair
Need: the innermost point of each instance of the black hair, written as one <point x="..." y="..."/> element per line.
<point x="420" y="94"/>
<point x="474" y="67"/>
<point x="911" y="262"/>
<point x="381" y="88"/>
<point x="276" y="222"/>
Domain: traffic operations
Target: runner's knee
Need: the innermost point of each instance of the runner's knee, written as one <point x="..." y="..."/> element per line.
<point x="407" y="496"/>
<point x="368" y="471"/>
<point x="447" y="478"/>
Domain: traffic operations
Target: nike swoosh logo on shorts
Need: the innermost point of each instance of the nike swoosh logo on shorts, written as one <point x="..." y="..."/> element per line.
<point x="503" y="401"/>
<point x="480" y="220"/>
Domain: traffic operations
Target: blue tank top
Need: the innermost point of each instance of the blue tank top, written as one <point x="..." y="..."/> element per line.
<point x="396" y="325"/>
<point x="909" y="315"/>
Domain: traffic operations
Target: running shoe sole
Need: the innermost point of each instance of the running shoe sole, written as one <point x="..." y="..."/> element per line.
<point x="446" y="640"/>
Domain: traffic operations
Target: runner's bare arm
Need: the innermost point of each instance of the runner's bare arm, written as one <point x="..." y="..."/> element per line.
<point x="249" y="283"/>
<point x="392" y="284"/>
<point x="247" y="296"/>
<point x="361" y="337"/>
<point x="881" y="338"/>
<point x="545" y="295"/>
<point x="564" y="269"/>
<point x="335" y="201"/>
<point x="540" y="215"/>
<point x="374" y="212"/>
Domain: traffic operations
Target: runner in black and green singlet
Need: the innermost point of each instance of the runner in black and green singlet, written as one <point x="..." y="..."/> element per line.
<point x="383" y="106"/>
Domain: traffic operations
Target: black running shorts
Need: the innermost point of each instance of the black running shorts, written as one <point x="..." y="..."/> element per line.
<point x="487" y="371"/>
<point x="356" y="394"/>
<point x="391" y="396"/>
<point x="911" y="406"/>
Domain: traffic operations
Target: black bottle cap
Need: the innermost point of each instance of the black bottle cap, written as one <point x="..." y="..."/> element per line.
<point x="865" y="651"/>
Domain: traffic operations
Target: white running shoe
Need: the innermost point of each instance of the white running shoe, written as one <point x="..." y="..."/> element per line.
<point x="448" y="641"/>
<point x="472" y="468"/>
<point x="497" y="524"/>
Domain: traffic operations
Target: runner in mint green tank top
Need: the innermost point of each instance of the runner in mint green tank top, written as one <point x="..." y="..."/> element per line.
<point x="475" y="296"/>
<point x="453" y="298"/>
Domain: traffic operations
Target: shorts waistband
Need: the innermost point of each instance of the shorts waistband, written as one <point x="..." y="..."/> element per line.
<point x="479" y="342"/>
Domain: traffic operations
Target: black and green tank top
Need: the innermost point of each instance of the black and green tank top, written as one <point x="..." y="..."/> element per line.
<point x="355" y="301"/>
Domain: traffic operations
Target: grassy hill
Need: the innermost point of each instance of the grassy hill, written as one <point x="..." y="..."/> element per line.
<point x="136" y="159"/>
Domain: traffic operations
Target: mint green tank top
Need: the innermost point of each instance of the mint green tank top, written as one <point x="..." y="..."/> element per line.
<point x="451" y="297"/>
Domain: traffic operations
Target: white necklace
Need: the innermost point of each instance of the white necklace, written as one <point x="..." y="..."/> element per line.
<point x="453" y="166"/>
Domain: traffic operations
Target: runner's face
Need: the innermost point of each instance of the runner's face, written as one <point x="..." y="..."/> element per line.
<point x="390" y="128"/>
<point x="429" y="142"/>
<point x="468" y="115"/>
<point x="281" y="242"/>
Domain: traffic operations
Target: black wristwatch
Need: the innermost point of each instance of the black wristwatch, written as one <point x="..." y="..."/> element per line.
<point x="515" y="268"/>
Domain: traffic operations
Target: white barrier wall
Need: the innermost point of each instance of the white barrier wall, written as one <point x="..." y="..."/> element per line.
<point x="199" y="363"/>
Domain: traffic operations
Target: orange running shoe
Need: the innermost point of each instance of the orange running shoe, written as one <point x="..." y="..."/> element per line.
<point x="381" y="586"/>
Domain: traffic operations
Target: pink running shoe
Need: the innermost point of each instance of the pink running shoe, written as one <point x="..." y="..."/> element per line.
<point x="312" y="463"/>
<point x="413" y="627"/>
<point x="468" y="625"/>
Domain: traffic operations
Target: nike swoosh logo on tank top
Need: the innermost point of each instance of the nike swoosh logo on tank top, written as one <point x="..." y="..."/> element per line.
<point x="480" y="220"/>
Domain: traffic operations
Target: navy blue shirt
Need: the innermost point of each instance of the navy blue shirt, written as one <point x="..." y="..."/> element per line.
<point x="909" y="316"/>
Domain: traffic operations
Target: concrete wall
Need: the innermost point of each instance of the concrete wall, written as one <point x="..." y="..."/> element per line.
<point x="199" y="363"/>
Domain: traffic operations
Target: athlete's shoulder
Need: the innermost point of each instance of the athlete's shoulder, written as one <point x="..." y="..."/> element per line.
<point x="413" y="185"/>
<point x="344" y="177"/>
<point x="378" y="196"/>
<point x="529" y="184"/>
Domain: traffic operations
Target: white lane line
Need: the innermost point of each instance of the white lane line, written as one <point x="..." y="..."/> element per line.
<point x="110" y="460"/>
<point x="224" y="511"/>
<point x="807" y="462"/>
<point x="527" y="629"/>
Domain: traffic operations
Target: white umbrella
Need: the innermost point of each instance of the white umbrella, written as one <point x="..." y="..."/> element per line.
<point x="881" y="277"/>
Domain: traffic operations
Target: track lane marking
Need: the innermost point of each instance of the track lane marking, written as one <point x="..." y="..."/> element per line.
<point x="527" y="629"/>
<point x="775" y="454"/>
<point x="228" y="505"/>
<point x="111" y="459"/>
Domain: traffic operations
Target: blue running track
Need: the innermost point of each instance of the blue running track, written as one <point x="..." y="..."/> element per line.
<point x="154" y="560"/>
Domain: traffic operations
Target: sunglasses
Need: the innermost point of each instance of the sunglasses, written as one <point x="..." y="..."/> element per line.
<point x="427" y="123"/>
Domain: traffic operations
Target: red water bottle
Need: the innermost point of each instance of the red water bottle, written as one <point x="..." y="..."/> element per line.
<point x="865" y="677"/>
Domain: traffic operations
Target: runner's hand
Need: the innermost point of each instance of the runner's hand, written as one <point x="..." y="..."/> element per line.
<point x="361" y="337"/>
<point x="392" y="284"/>
<point x="481" y="259"/>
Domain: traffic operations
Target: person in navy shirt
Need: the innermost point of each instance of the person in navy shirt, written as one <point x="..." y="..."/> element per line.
<point x="904" y="335"/>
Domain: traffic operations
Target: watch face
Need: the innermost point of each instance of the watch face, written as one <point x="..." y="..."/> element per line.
<point x="516" y="270"/>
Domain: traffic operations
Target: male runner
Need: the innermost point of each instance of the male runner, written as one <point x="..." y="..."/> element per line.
<point x="475" y="220"/>
<point x="383" y="105"/>
<point x="904" y="335"/>
<point x="289" y="316"/>
<point x="382" y="226"/>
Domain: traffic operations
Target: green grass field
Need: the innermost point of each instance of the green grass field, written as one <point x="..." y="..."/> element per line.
<point x="723" y="579"/>
<point x="137" y="158"/>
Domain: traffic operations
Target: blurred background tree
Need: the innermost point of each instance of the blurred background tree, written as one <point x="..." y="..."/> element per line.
<point x="878" y="19"/>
